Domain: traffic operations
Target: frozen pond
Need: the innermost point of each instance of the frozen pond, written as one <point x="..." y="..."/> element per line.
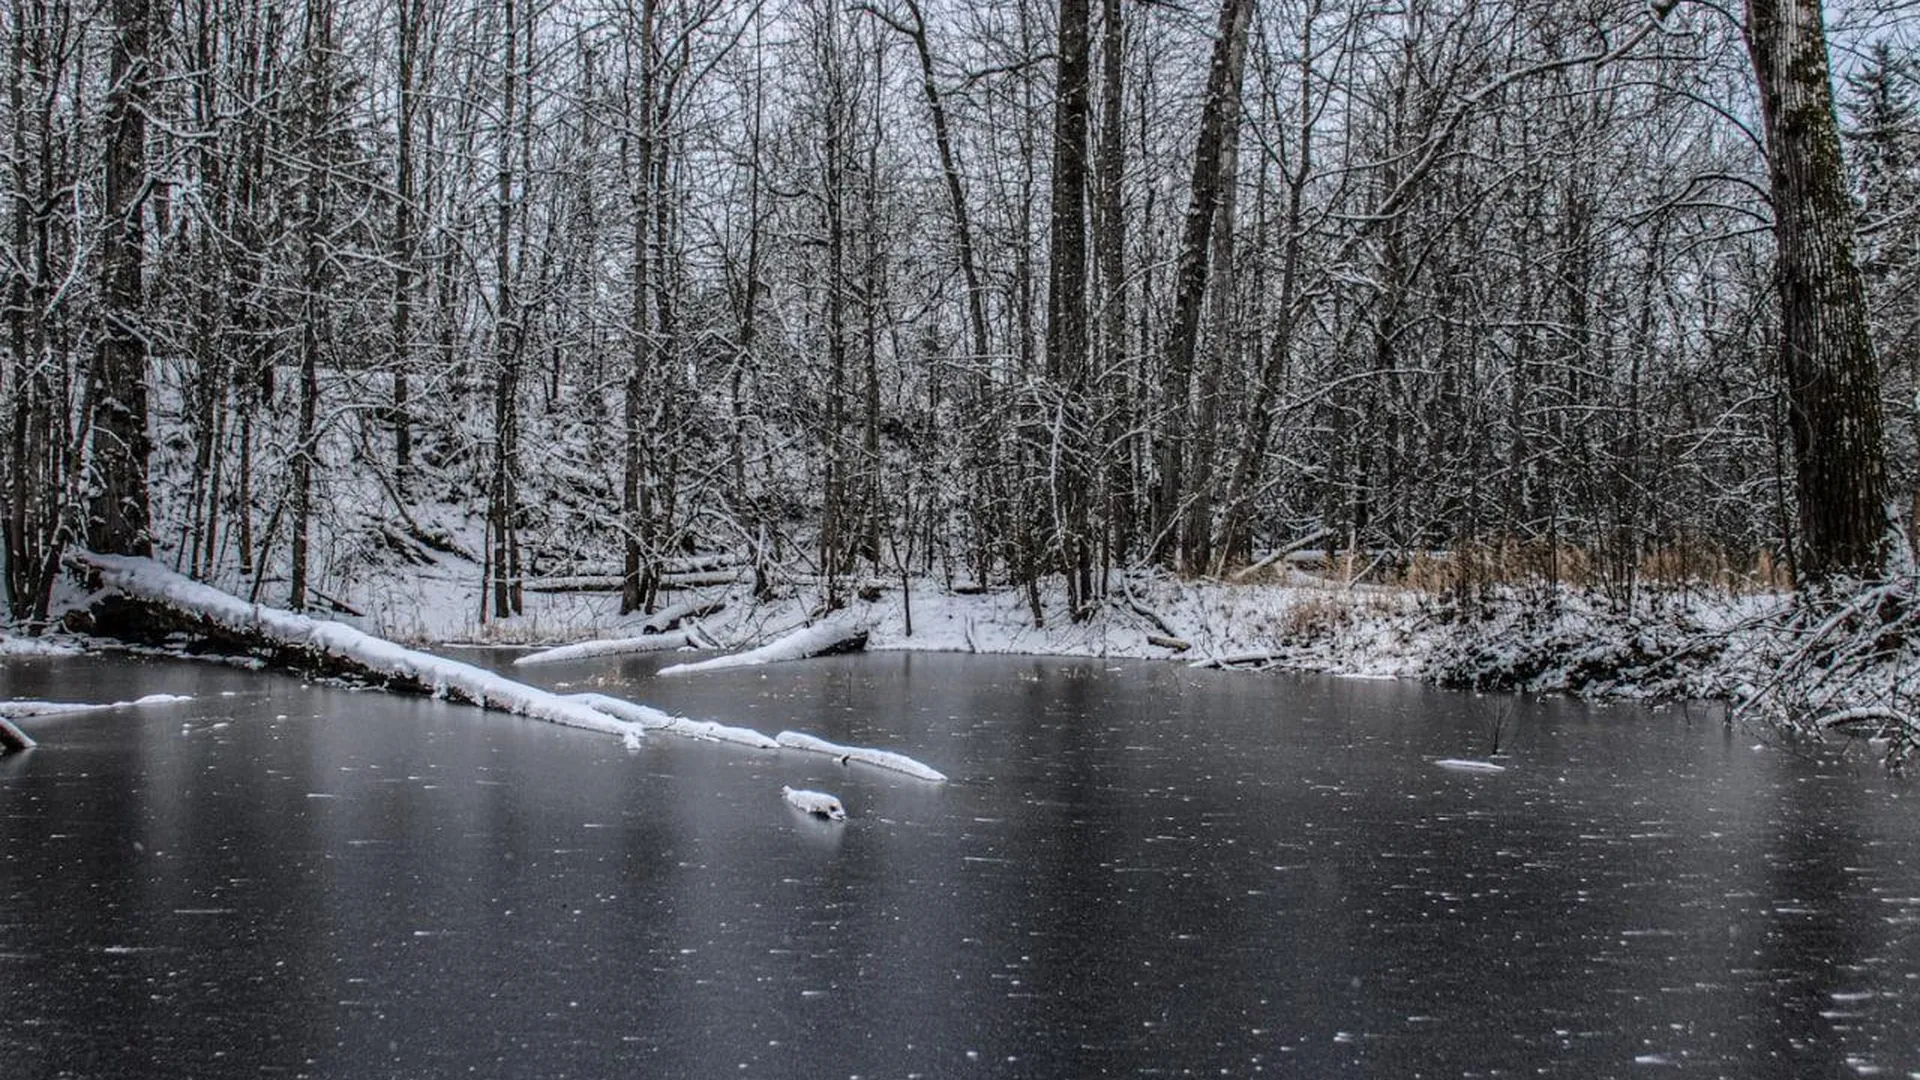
<point x="1138" y="869"/>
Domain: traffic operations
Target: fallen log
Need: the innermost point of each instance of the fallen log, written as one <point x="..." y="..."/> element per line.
<point x="881" y="759"/>
<point x="692" y="637"/>
<point x="821" y="639"/>
<point x="148" y="601"/>
<point x="12" y="738"/>
<point x="673" y="615"/>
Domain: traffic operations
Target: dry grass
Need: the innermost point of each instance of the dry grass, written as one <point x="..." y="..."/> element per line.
<point x="1471" y="567"/>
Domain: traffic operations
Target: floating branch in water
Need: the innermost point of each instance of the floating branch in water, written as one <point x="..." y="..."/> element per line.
<point x="653" y="719"/>
<point x="1469" y="765"/>
<point x="881" y="759"/>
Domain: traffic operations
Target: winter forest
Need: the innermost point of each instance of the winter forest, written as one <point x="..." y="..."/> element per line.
<point x="992" y="292"/>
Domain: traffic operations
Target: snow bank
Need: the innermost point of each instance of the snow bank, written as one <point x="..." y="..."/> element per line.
<point x="820" y="639"/>
<point x="144" y="579"/>
<point x="653" y="719"/>
<point x="883" y="759"/>
<point x="691" y="637"/>
<point x="19" y="646"/>
<point x="817" y="803"/>
<point x="19" y="710"/>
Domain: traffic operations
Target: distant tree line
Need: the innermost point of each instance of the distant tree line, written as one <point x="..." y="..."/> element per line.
<point x="1007" y="291"/>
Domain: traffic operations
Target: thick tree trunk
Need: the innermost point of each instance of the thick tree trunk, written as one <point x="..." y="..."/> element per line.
<point x="1072" y="474"/>
<point x="117" y="514"/>
<point x="1832" y="377"/>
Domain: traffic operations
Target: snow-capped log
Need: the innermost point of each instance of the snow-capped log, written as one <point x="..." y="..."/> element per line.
<point x="817" y="803"/>
<point x="881" y="759"/>
<point x="671" y="616"/>
<point x="821" y="639"/>
<point x="146" y="599"/>
<point x="692" y="637"/>
<point x="21" y="710"/>
<point x="653" y="719"/>
<point x="1470" y="765"/>
<point x="12" y="738"/>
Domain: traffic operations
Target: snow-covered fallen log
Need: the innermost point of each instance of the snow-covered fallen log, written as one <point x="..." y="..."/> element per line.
<point x="1470" y="765"/>
<point x="12" y="738"/>
<point x="817" y="803"/>
<point x="692" y="637"/>
<point x="319" y="645"/>
<point x="821" y="639"/>
<point x="882" y="759"/>
<point x="653" y="719"/>
<point x="22" y="710"/>
<point x="671" y="616"/>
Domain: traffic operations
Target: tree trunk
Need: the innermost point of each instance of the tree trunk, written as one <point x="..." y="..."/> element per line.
<point x="1832" y="377"/>
<point x="1071" y="475"/>
<point x="1220" y="109"/>
<point x="117" y="515"/>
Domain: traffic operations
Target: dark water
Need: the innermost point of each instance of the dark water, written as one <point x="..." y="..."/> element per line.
<point x="1139" y="870"/>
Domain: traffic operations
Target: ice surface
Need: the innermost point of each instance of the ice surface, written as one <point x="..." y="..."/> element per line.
<point x="884" y="759"/>
<point x="817" y="803"/>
